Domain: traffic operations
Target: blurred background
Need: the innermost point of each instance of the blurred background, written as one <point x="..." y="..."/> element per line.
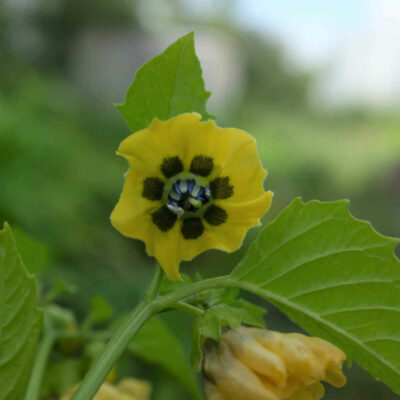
<point x="317" y="83"/>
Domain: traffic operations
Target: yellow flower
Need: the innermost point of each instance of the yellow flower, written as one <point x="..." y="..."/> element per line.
<point x="191" y="186"/>
<point x="257" y="364"/>
<point x="127" y="389"/>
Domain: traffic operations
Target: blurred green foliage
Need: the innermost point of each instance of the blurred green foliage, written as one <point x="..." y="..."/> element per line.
<point x="60" y="178"/>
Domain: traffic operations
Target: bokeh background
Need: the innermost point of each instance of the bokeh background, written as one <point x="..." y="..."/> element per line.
<point x="317" y="83"/>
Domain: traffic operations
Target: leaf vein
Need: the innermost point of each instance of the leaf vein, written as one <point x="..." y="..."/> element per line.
<point x="337" y="285"/>
<point x="250" y="270"/>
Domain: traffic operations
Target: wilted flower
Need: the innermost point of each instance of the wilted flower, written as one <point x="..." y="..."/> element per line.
<point x="127" y="389"/>
<point x="192" y="186"/>
<point x="257" y="364"/>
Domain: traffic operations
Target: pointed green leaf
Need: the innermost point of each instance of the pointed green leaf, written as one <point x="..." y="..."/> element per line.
<point x="169" y="84"/>
<point x="335" y="276"/>
<point x="250" y="314"/>
<point x="20" y="320"/>
<point x="156" y="344"/>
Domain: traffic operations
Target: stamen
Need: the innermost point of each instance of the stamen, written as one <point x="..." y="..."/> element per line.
<point x="186" y="195"/>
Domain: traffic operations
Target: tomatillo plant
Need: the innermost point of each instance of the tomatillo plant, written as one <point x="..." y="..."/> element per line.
<point x="193" y="186"/>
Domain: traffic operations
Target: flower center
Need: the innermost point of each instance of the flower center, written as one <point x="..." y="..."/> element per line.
<point x="187" y="195"/>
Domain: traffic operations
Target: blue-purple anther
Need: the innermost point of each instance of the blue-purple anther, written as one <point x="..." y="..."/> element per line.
<point x="186" y="195"/>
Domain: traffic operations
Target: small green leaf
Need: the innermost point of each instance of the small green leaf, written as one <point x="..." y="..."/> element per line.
<point x="209" y="324"/>
<point x="100" y="309"/>
<point x="34" y="253"/>
<point x="156" y="344"/>
<point x="169" y="84"/>
<point x="251" y="314"/>
<point x="20" y="320"/>
<point x="335" y="276"/>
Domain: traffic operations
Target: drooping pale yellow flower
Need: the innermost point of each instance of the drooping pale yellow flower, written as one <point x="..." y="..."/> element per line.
<point x="127" y="389"/>
<point x="257" y="364"/>
<point x="191" y="186"/>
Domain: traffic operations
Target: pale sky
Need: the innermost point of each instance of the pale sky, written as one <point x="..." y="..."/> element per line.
<point x="311" y="29"/>
<point x="356" y="41"/>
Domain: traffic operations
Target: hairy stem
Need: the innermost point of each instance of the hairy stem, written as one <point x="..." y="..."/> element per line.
<point x="145" y="310"/>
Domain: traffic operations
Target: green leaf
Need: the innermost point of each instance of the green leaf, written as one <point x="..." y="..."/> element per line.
<point x="34" y="253"/>
<point x="251" y="314"/>
<point x="335" y="276"/>
<point x="20" y="320"/>
<point x="100" y="309"/>
<point x="169" y="84"/>
<point x="209" y="324"/>
<point x="156" y="344"/>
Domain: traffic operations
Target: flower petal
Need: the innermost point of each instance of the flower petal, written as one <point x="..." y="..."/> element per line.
<point x="165" y="247"/>
<point x="212" y="392"/>
<point x="234" y="379"/>
<point x="255" y="356"/>
<point x="245" y="172"/>
<point x="315" y="391"/>
<point x="240" y="218"/>
<point x="160" y="140"/>
<point x="131" y="214"/>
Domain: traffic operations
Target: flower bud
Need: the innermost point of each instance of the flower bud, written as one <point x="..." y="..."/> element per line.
<point x="127" y="389"/>
<point x="258" y="364"/>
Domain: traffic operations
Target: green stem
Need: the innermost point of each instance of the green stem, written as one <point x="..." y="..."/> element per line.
<point x="42" y="355"/>
<point x="116" y="346"/>
<point x="113" y="350"/>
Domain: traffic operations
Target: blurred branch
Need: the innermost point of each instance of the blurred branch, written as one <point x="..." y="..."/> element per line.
<point x="42" y="356"/>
